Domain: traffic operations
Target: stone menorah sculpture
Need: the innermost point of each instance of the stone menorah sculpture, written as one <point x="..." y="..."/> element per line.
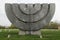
<point x="30" y="17"/>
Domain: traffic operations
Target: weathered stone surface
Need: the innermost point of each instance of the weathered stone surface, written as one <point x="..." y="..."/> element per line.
<point x="30" y="17"/>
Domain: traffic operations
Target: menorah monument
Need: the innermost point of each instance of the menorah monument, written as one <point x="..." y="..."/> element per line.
<point x="29" y="18"/>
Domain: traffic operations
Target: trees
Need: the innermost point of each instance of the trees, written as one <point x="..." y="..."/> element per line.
<point x="52" y="25"/>
<point x="2" y="27"/>
<point x="12" y="27"/>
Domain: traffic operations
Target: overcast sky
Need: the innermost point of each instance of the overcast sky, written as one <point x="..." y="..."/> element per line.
<point x="4" y="20"/>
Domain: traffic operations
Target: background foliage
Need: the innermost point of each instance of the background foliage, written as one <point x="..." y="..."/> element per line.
<point x="51" y="25"/>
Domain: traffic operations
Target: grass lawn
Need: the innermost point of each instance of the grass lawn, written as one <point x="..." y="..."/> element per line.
<point x="48" y="34"/>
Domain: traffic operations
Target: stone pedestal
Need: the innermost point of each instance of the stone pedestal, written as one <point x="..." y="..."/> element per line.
<point x="30" y="33"/>
<point x="21" y="33"/>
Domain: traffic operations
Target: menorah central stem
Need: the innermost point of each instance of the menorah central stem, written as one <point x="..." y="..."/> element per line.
<point x="29" y="20"/>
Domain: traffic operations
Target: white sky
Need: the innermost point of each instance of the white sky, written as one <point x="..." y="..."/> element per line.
<point x="4" y="20"/>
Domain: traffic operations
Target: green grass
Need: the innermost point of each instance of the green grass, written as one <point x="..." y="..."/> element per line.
<point x="48" y="34"/>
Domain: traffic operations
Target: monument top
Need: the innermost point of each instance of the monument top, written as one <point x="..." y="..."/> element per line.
<point x="30" y="17"/>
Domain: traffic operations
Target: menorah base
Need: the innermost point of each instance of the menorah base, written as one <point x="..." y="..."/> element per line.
<point x="30" y="33"/>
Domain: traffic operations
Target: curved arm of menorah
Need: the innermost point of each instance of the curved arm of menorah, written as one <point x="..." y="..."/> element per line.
<point x="9" y="13"/>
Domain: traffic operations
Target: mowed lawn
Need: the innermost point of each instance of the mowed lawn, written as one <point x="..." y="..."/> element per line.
<point x="12" y="34"/>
